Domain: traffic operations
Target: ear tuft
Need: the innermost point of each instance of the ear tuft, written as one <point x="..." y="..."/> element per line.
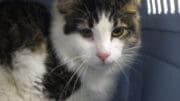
<point x="132" y="6"/>
<point x="66" y="6"/>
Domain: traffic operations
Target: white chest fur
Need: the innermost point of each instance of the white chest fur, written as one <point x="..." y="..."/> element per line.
<point x="96" y="86"/>
<point x="20" y="84"/>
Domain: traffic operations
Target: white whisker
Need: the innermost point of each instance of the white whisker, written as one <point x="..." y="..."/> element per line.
<point x="74" y="74"/>
<point x="80" y="73"/>
<point x="132" y="48"/>
<point x="66" y="62"/>
<point x="122" y="70"/>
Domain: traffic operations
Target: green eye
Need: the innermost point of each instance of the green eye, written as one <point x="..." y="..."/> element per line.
<point x="119" y="32"/>
<point x="86" y="33"/>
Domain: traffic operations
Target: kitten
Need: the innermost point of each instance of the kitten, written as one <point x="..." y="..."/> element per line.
<point x="95" y="39"/>
<point x="89" y="42"/>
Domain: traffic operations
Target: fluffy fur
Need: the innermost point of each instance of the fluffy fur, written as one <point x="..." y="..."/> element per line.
<point x="89" y="43"/>
<point x="100" y="17"/>
<point x="24" y="82"/>
<point x="23" y="51"/>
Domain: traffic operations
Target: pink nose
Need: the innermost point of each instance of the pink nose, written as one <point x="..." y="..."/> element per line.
<point x="103" y="55"/>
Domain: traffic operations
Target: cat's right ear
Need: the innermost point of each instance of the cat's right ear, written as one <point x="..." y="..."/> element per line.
<point x="66" y="6"/>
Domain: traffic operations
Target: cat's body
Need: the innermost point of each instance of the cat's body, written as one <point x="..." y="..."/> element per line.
<point x="89" y="42"/>
<point x="22" y="51"/>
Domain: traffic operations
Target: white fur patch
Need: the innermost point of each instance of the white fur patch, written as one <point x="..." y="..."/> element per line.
<point x="18" y="84"/>
<point x="104" y="43"/>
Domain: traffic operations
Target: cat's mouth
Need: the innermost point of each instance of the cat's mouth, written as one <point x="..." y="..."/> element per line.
<point x="100" y="64"/>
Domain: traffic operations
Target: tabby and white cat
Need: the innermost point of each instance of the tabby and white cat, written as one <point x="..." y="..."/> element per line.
<point x="89" y="42"/>
<point x="96" y="38"/>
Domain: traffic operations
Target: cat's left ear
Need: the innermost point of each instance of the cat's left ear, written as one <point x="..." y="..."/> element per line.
<point x="132" y="6"/>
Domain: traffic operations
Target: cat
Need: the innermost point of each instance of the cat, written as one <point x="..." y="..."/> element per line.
<point x="96" y="39"/>
<point x="73" y="55"/>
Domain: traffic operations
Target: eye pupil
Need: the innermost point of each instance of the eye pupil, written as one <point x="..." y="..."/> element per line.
<point x="87" y="33"/>
<point x="117" y="32"/>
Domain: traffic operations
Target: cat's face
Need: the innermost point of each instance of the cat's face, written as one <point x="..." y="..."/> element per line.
<point x="96" y="33"/>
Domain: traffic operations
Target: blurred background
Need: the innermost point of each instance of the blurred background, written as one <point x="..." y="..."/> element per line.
<point x="155" y="76"/>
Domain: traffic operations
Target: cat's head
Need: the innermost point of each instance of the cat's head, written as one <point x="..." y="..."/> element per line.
<point x="96" y="33"/>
